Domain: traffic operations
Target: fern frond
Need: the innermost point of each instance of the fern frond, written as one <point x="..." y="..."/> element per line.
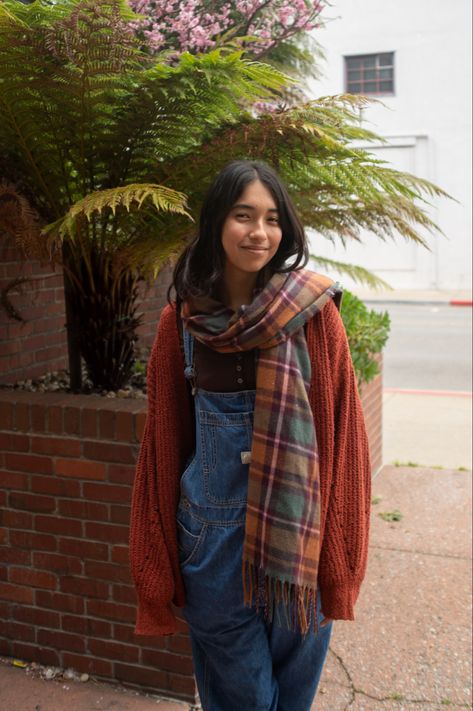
<point x="359" y="274"/>
<point x="127" y="198"/>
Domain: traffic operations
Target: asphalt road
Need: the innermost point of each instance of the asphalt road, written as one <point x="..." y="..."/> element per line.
<point x="429" y="347"/>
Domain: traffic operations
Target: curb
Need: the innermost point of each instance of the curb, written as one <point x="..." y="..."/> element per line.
<point x="420" y="302"/>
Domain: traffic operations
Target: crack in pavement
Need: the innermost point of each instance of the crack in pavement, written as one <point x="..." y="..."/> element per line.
<point x="392" y="697"/>
<point x="416" y="552"/>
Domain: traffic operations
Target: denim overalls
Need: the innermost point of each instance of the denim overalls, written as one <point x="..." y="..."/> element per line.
<point x="241" y="661"/>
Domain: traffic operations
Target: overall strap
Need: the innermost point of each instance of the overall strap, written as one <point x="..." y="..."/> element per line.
<point x="189" y="371"/>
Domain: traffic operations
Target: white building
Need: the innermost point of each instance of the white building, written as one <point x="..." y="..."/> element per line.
<point x="416" y="58"/>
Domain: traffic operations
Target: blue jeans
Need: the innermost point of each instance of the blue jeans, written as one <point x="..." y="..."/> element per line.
<point x="242" y="662"/>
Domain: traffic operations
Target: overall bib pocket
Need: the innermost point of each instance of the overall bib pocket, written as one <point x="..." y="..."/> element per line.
<point x="223" y="438"/>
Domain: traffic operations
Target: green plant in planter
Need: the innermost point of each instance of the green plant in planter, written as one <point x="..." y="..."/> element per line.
<point x="114" y="149"/>
<point x="367" y="332"/>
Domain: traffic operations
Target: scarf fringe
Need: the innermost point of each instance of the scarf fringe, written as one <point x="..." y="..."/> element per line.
<point x="292" y="606"/>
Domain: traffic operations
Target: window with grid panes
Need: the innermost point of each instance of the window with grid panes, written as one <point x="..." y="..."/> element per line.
<point x="370" y="73"/>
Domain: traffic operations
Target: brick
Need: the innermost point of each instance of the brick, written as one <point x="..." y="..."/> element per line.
<point x="60" y="564"/>
<point x="59" y="601"/>
<point x="107" y="492"/>
<point x="56" y="446"/>
<point x="16" y="593"/>
<point x="124" y="426"/>
<point x="89" y="422"/>
<point x="5" y="647"/>
<point x="87" y="626"/>
<point x="121" y="474"/>
<point x="120" y="514"/>
<point x="126" y="633"/>
<point x="6" y="415"/>
<point x="108" y="452"/>
<point x="22" y="417"/>
<point x="15" y="480"/>
<point x="114" y="650"/>
<point x="17" y="519"/>
<point x="88" y="665"/>
<point x="106" y="424"/>
<point x="124" y="593"/>
<point x="33" y="540"/>
<point x="60" y="526"/>
<point x="110" y="533"/>
<point x="84" y="549"/>
<point x="3" y="534"/>
<point x="28" y="463"/>
<point x="150" y="678"/>
<point x="72" y="420"/>
<point x="80" y="468"/>
<point x="61" y="640"/>
<point x="33" y="578"/>
<point x="107" y="571"/>
<point x="84" y="586"/>
<point x="12" y="442"/>
<point x="38" y="418"/>
<point x="55" y="419"/>
<point x="179" y="643"/>
<point x="182" y="686"/>
<point x="32" y="502"/>
<point x="55" y="486"/>
<point x="19" y="631"/>
<point x="49" y="657"/>
<point x="120" y="554"/>
<point x="167" y="661"/>
<point x="83" y="509"/>
<point x="111" y="610"/>
<point x="14" y="556"/>
<point x="37" y="616"/>
<point x="140" y="421"/>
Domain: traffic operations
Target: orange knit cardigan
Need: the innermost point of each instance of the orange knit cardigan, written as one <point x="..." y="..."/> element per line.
<point x="168" y="441"/>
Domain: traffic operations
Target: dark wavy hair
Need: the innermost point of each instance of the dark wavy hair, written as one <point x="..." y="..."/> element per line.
<point x="199" y="269"/>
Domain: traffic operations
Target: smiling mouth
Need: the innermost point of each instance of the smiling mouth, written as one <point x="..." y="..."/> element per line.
<point x="256" y="249"/>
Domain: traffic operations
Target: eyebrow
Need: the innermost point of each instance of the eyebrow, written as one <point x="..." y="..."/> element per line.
<point x="243" y="206"/>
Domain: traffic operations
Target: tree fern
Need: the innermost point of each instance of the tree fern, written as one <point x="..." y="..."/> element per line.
<point x="92" y="128"/>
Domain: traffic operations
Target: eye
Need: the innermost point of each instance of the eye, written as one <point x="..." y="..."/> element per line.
<point x="242" y="215"/>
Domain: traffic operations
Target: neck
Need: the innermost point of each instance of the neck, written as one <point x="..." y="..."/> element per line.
<point x="238" y="289"/>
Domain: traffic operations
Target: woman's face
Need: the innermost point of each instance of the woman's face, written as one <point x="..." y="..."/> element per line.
<point x="251" y="233"/>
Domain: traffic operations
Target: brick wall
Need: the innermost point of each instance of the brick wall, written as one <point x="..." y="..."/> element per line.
<point x="372" y="399"/>
<point x="66" y="597"/>
<point x="38" y="344"/>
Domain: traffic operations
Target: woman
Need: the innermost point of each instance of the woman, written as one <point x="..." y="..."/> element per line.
<point x="252" y="493"/>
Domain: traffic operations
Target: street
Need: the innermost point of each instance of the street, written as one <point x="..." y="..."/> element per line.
<point x="429" y="347"/>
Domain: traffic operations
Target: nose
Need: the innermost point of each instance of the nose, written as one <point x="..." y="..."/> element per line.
<point x="258" y="232"/>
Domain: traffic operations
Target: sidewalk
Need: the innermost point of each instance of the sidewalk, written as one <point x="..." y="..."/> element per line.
<point x="410" y="647"/>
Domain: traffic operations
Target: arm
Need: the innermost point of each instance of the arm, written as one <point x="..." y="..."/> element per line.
<point x="345" y="468"/>
<point x="167" y="442"/>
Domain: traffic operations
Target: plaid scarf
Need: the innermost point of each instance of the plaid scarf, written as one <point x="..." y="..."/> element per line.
<point x="282" y="532"/>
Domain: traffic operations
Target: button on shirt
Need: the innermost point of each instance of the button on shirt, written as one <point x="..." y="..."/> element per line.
<point x="224" y="372"/>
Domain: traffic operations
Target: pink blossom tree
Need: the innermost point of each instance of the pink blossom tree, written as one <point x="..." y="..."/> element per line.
<point x="199" y="25"/>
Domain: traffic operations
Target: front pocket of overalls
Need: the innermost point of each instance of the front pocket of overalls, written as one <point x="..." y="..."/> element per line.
<point x="190" y="535"/>
<point x="224" y="436"/>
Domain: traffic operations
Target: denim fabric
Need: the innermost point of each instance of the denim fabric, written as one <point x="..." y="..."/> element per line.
<point x="241" y="661"/>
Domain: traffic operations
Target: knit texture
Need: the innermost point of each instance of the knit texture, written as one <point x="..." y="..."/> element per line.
<point x="168" y="442"/>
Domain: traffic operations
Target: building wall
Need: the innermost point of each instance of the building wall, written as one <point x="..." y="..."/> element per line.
<point x="427" y="123"/>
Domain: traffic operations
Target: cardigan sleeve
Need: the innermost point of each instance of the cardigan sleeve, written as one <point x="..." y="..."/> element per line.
<point x="346" y="487"/>
<point x="166" y="443"/>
